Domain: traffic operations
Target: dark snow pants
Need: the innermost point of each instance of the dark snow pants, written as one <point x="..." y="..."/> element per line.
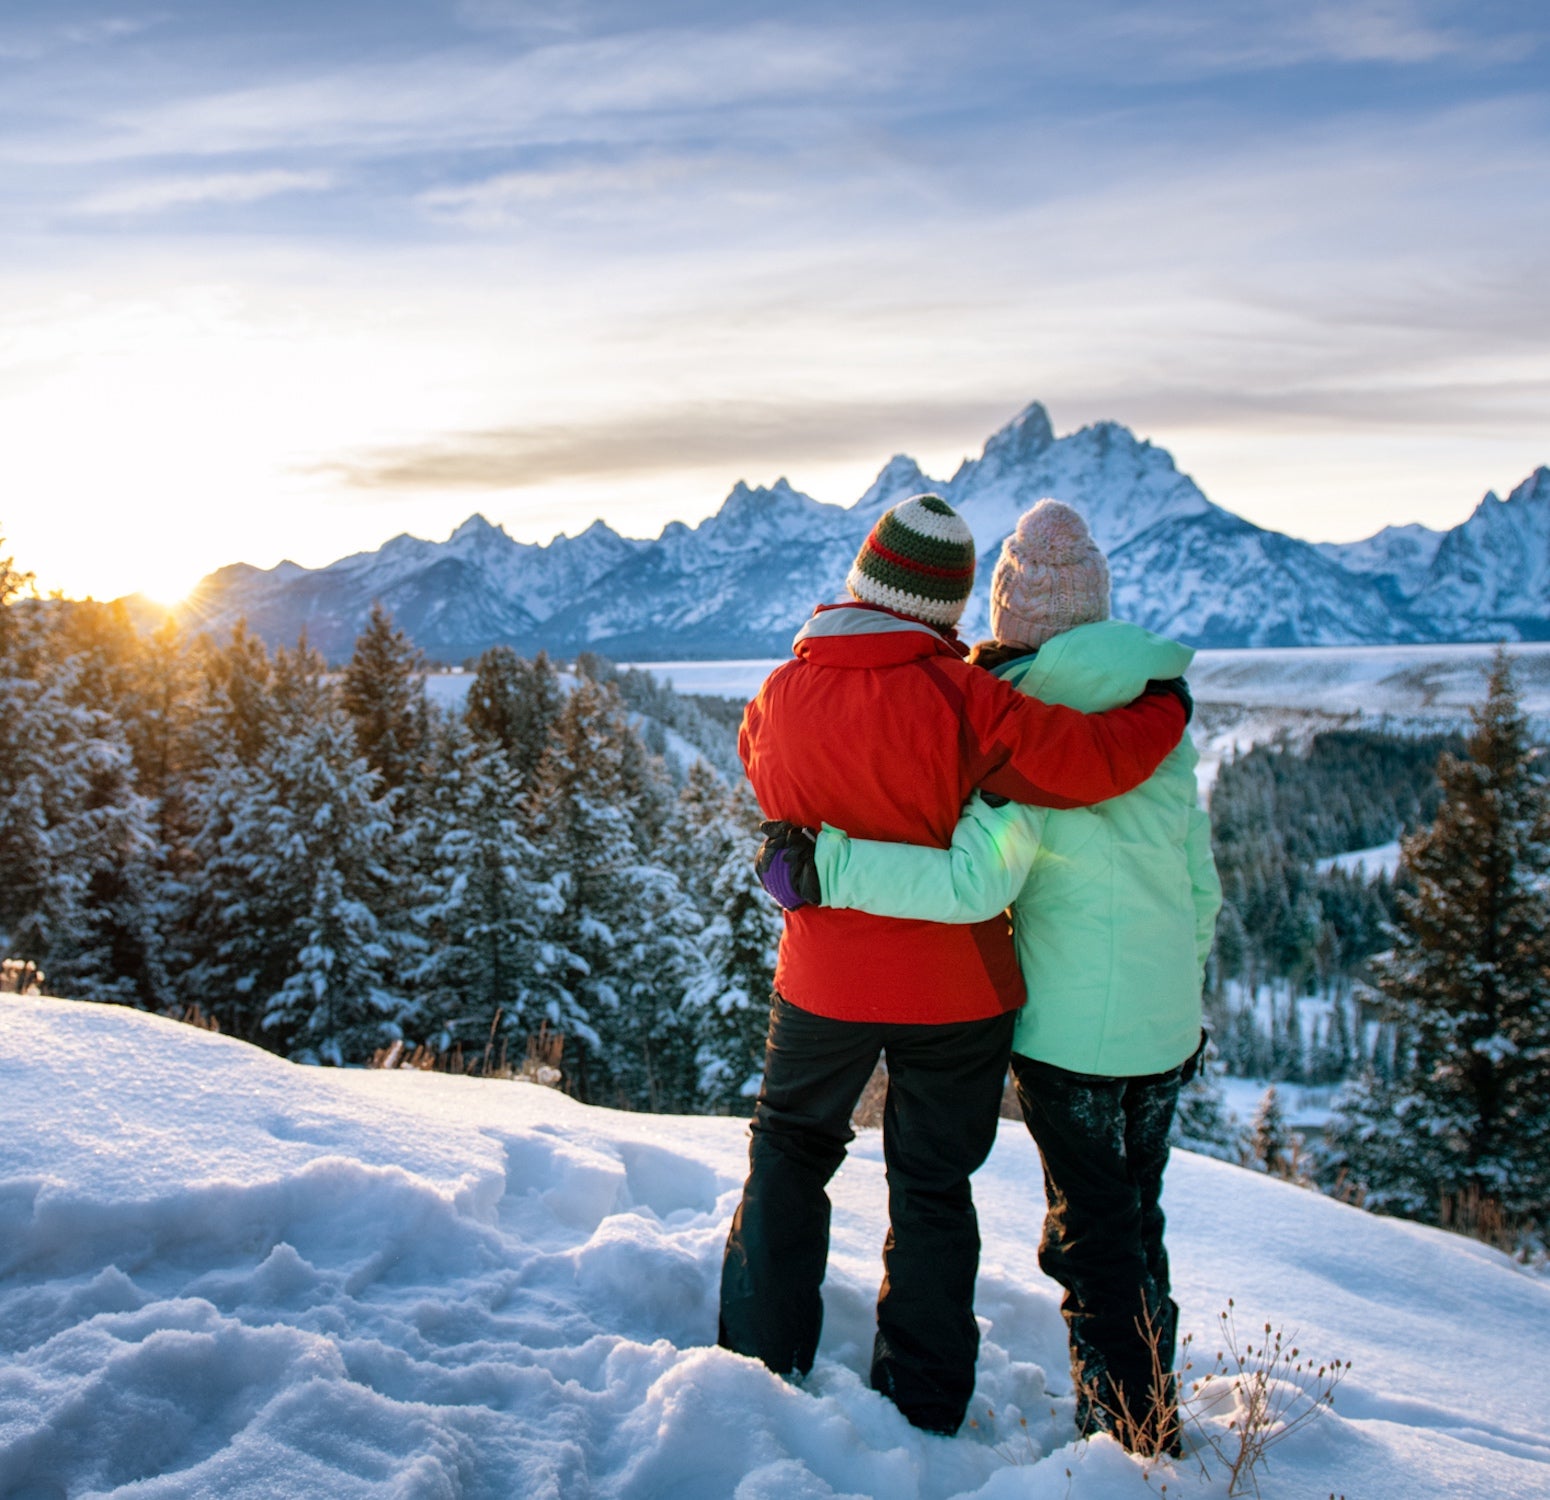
<point x="939" y="1123"/>
<point x="1104" y="1144"/>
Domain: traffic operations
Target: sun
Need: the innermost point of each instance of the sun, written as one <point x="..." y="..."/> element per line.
<point x="168" y="586"/>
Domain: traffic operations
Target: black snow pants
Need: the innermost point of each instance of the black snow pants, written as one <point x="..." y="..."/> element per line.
<point x="1104" y="1145"/>
<point x="939" y="1123"/>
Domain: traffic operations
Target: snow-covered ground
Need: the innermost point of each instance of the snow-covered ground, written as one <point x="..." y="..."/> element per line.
<point x="225" y="1275"/>
<point x="1381" y="859"/>
<point x="1305" y="1107"/>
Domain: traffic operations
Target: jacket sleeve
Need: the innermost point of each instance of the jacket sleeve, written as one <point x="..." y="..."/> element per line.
<point x="992" y="852"/>
<point x="1205" y="884"/>
<point x="1049" y="756"/>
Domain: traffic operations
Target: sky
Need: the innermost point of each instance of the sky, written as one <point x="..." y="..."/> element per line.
<point x="287" y="278"/>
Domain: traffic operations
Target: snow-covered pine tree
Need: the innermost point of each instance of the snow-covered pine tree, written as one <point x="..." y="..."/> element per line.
<point x="587" y="830"/>
<point x="1288" y="1060"/>
<point x="481" y="902"/>
<point x="75" y="840"/>
<point x="291" y="873"/>
<point x="514" y="703"/>
<point x="711" y="841"/>
<point x="161" y="721"/>
<point x="1467" y="988"/>
<point x="382" y="689"/>
<point x="239" y="697"/>
<point x="1270" y="1137"/>
<point x="652" y="1046"/>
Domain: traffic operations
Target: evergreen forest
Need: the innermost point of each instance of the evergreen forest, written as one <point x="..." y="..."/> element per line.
<point x="326" y="863"/>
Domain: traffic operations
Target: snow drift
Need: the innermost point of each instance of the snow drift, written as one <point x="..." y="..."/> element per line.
<point x="223" y="1274"/>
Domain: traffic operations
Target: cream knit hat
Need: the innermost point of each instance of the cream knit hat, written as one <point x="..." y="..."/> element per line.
<point x="1050" y="577"/>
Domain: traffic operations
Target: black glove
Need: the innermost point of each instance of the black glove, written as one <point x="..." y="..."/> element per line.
<point x="787" y="863"/>
<point x="1192" y="1063"/>
<point x="1178" y="687"/>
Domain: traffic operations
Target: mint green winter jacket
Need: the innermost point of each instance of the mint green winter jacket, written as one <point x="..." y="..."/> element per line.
<point x="1113" y="906"/>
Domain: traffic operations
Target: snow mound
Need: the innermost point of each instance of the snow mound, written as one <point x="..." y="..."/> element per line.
<point x="222" y="1274"/>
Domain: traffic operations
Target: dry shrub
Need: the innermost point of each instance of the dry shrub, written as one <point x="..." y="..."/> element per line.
<point x="20" y="976"/>
<point x="1267" y="1392"/>
<point x="868" y="1113"/>
<point x="1271" y="1390"/>
<point x="1010" y="1108"/>
<point x="1482" y="1217"/>
<point x="541" y="1064"/>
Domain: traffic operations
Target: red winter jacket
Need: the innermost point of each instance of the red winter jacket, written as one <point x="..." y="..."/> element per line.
<point x="881" y="728"/>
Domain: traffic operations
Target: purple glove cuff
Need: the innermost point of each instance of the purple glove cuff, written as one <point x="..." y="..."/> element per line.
<point x="779" y="882"/>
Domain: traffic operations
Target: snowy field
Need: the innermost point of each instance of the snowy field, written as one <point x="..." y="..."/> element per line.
<point x="225" y="1275"/>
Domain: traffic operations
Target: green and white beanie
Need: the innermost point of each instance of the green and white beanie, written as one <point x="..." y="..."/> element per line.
<point x="918" y="560"/>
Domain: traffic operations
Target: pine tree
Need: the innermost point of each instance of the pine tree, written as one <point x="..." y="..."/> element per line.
<point x="240" y="705"/>
<point x="482" y="901"/>
<point x="1270" y="1139"/>
<point x="1202" y="1122"/>
<point x="289" y="947"/>
<point x="383" y="691"/>
<point x="75" y="839"/>
<point x="652" y="1046"/>
<point x="625" y="928"/>
<point x="713" y="835"/>
<point x="584" y="830"/>
<point x="1467" y="989"/>
<point x="515" y="703"/>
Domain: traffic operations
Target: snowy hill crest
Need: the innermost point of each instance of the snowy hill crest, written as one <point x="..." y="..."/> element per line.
<point x="740" y="582"/>
<point x="224" y="1274"/>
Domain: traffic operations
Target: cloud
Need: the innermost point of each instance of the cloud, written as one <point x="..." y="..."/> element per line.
<point x="24" y="44"/>
<point x="460" y="98"/>
<point x="155" y="195"/>
<point x="509" y="195"/>
<point x="724" y="436"/>
<point x="1228" y="37"/>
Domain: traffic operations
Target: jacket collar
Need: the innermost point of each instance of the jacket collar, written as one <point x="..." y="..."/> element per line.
<point x="848" y="618"/>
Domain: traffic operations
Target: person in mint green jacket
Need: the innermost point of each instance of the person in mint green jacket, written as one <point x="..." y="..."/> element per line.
<point x="1113" y="909"/>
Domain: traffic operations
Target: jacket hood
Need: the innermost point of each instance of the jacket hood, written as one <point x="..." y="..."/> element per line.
<point x="1098" y="666"/>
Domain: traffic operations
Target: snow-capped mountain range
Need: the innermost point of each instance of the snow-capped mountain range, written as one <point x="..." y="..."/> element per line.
<point x="739" y="583"/>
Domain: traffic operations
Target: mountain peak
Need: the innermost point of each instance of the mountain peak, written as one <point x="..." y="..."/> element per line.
<point x="477" y="529"/>
<point x="899" y="478"/>
<point x="1028" y="433"/>
<point x="743" y="495"/>
<point x="1535" y="489"/>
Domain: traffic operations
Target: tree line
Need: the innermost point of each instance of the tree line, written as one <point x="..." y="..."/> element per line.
<point x="326" y="862"/>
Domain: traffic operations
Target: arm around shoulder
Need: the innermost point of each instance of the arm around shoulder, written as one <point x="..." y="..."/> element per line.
<point x="1048" y="756"/>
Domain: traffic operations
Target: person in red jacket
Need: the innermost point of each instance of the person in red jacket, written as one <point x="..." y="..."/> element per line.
<point x="881" y="727"/>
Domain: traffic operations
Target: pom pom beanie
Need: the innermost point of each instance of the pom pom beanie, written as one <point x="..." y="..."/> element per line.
<point x="1050" y="577"/>
<point x="918" y="560"/>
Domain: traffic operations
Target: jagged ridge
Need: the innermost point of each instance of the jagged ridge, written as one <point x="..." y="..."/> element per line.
<point x="739" y="583"/>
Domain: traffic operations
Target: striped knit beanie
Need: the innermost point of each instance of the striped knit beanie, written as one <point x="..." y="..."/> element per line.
<point x="1049" y="578"/>
<point x="918" y="560"/>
